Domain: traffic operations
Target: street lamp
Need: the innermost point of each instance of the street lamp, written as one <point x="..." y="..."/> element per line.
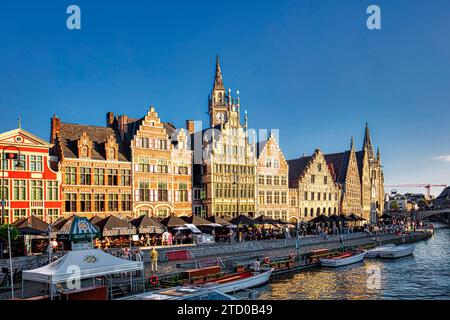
<point x="19" y="166"/>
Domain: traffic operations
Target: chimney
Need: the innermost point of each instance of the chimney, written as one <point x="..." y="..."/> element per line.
<point x="190" y="126"/>
<point x="109" y="119"/>
<point x="123" y="125"/>
<point x="55" y="128"/>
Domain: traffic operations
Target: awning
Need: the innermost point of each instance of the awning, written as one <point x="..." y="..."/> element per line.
<point x="83" y="264"/>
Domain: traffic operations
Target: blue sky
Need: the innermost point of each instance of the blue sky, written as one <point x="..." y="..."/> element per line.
<point x="310" y="68"/>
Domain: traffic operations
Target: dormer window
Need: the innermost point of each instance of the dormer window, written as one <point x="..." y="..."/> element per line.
<point x="111" y="148"/>
<point x="84" y="146"/>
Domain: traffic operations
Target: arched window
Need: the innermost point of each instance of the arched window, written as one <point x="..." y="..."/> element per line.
<point x="324" y="211"/>
<point x="329" y="210"/>
<point x="306" y="212"/>
<point x="220" y="96"/>
<point x="318" y="211"/>
<point x="335" y="210"/>
<point x="312" y="212"/>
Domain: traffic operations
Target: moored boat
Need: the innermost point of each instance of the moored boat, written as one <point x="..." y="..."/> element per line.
<point x="241" y="281"/>
<point x="343" y="259"/>
<point x="374" y="253"/>
<point x="398" y="252"/>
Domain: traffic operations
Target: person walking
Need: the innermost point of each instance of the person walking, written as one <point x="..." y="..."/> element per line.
<point x="154" y="260"/>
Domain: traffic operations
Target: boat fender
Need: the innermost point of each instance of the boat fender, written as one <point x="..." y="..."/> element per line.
<point x="292" y="256"/>
<point x="153" y="280"/>
<point x="266" y="260"/>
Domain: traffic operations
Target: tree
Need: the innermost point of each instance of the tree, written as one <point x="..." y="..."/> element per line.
<point x="4" y="232"/>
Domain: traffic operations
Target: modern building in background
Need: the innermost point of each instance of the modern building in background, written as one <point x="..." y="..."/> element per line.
<point x="95" y="169"/>
<point x="29" y="186"/>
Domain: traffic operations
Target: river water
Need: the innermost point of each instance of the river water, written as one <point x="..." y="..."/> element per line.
<point x="425" y="275"/>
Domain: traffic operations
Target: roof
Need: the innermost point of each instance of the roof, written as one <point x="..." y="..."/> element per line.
<point x="340" y="162"/>
<point x="69" y="135"/>
<point x="296" y="167"/>
<point x="444" y="194"/>
<point x="90" y="263"/>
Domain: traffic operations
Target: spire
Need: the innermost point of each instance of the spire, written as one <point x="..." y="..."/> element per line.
<point x="218" y="81"/>
<point x="19" y="122"/>
<point x="352" y="144"/>
<point x="368" y="141"/>
<point x="378" y="154"/>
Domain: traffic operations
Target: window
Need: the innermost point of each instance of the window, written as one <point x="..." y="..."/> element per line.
<point x="162" y="168"/>
<point x="306" y="212"/>
<point x="125" y="177"/>
<point x="261" y="180"/>
<point x="71" y="202"/>
<point x="276" y="164"/>
<point x="183" y="192"/>
<point x="4" y="188"/>
<point x="163" y="193"/>
<point x="144" y="191"/>
<point x="19" y="214"/>
<point x="162" y="213"/>
<point x="312" y="196"/>
<point x="113" y="202"/>
<point x="306" y="195"/>
<point x="23" y="163"/>
<point x="311" y="213"/>
<point x="325" y="180"/>
<point x="269" y="180"/>
<point x="99" y="202"/>
<point x="276" y="198"/>
<point x="283" y="181"/>
<point x="36" y="190"/>
<point x="269" y="197"/>
<point x="276" y="181"/>
<point x="126" y="202"/>
<point x="99" y="177"/>
<point x="318" y="196"/>
<point x="313" y="178"/>
<point x="36" y="163"/>
<point x="283" y="197"/>
<point x="85" y="202"/>
<point x="112" y="177"/>
<point x="261" y="197"/>
<point x="71" y="175"/>
<point x="20" y="190"/>
<point x="197" y="193"/>
<point x="144" y="165"/>
<point x="85" y="176"/>
<point x="52" y="190"/>
<point x="52" y="215"/>
<point x="39" y="213"/>
<point x="144" y="142"/>
<point x="319" y="167"/>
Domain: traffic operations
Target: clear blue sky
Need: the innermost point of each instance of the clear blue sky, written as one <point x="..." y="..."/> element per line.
<point x="310" y="68"/>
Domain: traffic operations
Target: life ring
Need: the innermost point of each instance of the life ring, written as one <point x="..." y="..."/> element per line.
<point x="266" y="260"/>
<point x="153" y="280"/>
<point x="292" y="256"/>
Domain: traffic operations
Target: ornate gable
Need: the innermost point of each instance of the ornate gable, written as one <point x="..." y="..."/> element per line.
<point x="84" y="145"/>
<point x="111" y="149"/>
<point x="22" y="138"/>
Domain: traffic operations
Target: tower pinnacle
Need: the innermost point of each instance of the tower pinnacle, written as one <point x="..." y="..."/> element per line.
<point x="218" y="81"/>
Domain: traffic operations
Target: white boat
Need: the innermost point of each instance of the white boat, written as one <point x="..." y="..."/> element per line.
<point x="398" y="251"/>
<point x="181" y="293"/>
<point x="343" y="260"/>
<point x="241" y="281"/>
<point x="374" y="253"/>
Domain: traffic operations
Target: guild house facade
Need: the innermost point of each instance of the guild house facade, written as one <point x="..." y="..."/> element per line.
<point x="28" y="185"/>
<point x="228" y="168"/>
<point x="161" y="164"/>
<point x="95" y="170"/>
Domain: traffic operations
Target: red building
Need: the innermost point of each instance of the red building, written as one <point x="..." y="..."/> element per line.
<point x="28" y="186"/>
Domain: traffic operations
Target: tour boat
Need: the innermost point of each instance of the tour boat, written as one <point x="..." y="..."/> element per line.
<point x="398" y="251"/>
<point x="375" y="253"/>
<point x="241" y="281"/>
<point x="343" y="259"/>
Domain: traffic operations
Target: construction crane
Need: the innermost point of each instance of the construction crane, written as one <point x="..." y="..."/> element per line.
<point x="427" y="186"/>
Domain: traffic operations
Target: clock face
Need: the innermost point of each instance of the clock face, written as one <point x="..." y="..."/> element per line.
<point x="220" y="116"/>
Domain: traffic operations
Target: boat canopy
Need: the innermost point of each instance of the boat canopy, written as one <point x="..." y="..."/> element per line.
<point x="84" y="264"/>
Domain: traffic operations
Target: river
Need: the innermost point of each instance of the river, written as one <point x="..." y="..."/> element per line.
<point x="425" y="275"/>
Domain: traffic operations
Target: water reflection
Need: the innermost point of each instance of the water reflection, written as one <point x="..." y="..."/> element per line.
<point x="426" y="275"/>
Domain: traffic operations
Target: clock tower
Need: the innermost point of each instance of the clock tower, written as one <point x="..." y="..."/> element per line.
<point x="218" y="106"/>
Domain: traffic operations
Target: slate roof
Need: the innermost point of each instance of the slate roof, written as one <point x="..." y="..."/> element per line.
<point x="296" y="167"/>
<point x="340" y="162"/>
<point x="69" y="135"/>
